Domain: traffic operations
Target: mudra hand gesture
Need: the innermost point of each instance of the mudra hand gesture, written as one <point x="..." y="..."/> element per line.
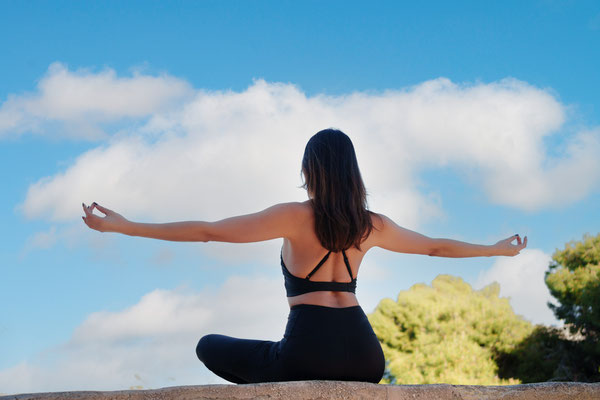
<point x="506" y="248"/>
<point x="111" y="222"/>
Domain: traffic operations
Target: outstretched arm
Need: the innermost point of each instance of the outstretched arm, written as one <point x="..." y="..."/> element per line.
<point x="274" y="222"/>
<point x="395" y="238"/>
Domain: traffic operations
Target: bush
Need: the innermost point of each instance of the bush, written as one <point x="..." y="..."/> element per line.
<point x="447" y="333"/>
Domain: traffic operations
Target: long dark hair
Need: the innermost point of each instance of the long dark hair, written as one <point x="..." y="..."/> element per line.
<point x="338" y="194"/>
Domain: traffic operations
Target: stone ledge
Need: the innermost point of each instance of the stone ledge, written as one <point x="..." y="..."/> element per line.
<point x="338" y="390"/>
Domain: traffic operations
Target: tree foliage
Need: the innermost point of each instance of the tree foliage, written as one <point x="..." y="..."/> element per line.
<point x="571" y="353"/>
<point x="574" y="280"/>
<point x="447" y="332"/>
<point x="547" y="354"/>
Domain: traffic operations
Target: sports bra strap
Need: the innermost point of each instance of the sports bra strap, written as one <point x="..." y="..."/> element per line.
<point x="318" y="265"/>
<point x="325" y="259"/>
<point x="347" y="264"/>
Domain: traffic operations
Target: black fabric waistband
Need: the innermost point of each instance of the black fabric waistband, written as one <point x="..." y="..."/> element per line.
<point x="317" y="306"/>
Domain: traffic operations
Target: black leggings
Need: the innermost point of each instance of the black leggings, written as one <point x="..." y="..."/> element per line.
<point x="320" y="342"/>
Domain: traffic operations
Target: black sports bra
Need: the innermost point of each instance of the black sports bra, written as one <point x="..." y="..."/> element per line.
<point x="295" y="286"/>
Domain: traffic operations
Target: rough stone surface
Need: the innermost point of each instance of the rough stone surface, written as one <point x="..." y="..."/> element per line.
<point x="338" y="390"/>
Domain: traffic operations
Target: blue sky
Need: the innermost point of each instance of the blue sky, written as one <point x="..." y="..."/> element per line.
<point x="473" y="121"/>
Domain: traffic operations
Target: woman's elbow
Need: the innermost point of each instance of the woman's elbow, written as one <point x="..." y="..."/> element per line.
<point x="434" y="248"/>
<point x="434" y="253"/>
<point x="203" y="233"/>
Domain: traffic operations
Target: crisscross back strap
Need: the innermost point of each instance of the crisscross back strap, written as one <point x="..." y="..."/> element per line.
<point x="347" y="264"/>
<point x="325" y="259"/>
<point x="318" y="265"/>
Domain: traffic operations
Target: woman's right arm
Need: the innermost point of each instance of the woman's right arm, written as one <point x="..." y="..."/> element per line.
<point x="388" y="235"/>
<point x="188" y="231"/>
<point x="274" y="222"/>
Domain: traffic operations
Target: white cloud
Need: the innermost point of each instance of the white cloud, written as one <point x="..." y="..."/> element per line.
<point x="77" y="103"/>
<point x="42" y="240"/>
<point x="554" y="181"/>
<point x="521" y="278"/>
<point x="152" y="343"/>
<point x="198" y="159"/>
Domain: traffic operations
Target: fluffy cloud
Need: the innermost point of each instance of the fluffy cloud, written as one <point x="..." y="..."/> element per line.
<point x="78" y="103"/>
<point x="41" y="240"/>
<point x="152" y="343"/>
<point x="198" y="158"/>
<point x="521" y="278"/>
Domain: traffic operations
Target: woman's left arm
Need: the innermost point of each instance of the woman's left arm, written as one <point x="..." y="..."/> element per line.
<point x="388" y="235"/>
<point x="456" y="248"/>
<point x="272" y="223"/>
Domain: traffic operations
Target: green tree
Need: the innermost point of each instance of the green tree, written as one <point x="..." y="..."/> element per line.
<point x="569" y="353"/>
<point x="574" y="280"/>
<point x="447" y="332"/>
<point x="547" y="354"/>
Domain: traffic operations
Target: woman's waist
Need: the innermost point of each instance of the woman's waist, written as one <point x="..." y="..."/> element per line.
<point x="326" y="299"/>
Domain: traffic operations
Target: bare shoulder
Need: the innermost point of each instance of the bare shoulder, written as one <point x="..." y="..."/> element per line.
<point x="378" y="220"/>
<point x="294" y="210"/>
<point x="293" y="214"/>
<point x="379" y="223"/>
<point x="279" y="220"/>
<point x="382" y="222"/>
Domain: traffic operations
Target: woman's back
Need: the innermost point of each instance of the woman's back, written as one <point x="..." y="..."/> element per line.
<point x="302" y="251"/>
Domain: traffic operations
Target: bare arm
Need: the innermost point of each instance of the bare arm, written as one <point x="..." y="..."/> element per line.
<point x="392" y="237"/>
<point x="274" y="222"/>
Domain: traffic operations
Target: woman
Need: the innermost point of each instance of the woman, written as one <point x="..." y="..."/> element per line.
<point x="325" y="239"/>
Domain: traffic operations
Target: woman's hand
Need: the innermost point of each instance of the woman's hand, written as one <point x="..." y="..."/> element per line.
<point x="111" y="222"/>
<point x="506" y="248"/>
